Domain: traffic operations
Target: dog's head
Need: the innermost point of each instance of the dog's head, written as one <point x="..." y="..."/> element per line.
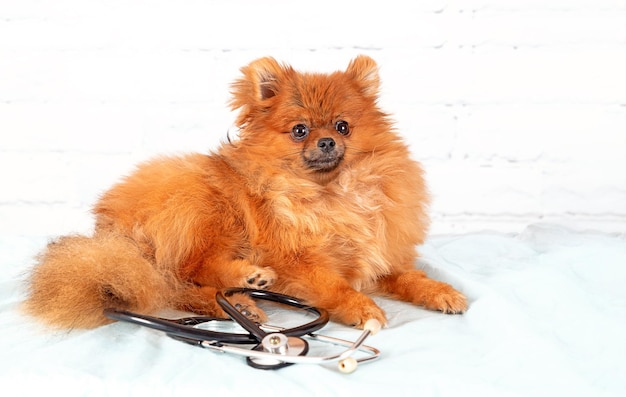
<point x="309" y="124"/>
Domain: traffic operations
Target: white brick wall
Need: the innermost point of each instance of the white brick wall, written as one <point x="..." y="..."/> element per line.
<point x="517" y="108"/>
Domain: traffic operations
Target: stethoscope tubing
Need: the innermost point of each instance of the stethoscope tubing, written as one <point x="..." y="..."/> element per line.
<point x="183" y="329"/>
<point x="254" y="329"/>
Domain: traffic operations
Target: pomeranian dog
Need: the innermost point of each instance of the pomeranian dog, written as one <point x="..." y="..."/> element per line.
<point x="317" y="198"/>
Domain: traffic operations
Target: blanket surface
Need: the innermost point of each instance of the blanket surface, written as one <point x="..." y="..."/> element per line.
<point x="547" y="316"/>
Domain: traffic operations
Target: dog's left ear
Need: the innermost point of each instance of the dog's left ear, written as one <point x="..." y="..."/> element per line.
<point x="364" y="70"/>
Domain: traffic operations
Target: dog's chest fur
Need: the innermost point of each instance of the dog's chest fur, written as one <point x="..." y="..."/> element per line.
<point x="344" y="219"/>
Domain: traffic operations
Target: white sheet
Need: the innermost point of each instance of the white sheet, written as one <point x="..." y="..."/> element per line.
<point x="547" y="316"/>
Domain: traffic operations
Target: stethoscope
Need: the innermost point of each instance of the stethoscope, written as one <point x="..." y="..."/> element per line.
<point x="275" y="348"/>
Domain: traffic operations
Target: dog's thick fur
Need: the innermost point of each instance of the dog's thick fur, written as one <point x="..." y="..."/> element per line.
<point x="317" y="198"/>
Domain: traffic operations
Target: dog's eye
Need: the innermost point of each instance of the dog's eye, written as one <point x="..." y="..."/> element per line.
<point x="342" y="127"/>
<point x="299" y="131"/>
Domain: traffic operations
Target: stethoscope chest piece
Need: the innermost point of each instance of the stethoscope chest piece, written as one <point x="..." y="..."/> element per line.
<point x="282" y="346"/>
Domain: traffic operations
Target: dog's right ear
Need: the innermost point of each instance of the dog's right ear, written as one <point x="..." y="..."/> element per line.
<point x="264" y="74"/>
<point x="260" y="82"/>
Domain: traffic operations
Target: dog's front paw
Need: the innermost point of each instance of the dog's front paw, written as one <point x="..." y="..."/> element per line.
<point x="367" y="314"/>
<point x="448" y="300"/>
<point x="246" y="306"/>
<point x="357" y="310"/>
<point x="413" y="286"/>
<point x="260" y="278"/>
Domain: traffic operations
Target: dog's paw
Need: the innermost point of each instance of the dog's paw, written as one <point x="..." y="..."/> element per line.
<point x="415" y="287"/>
<point x="372" y="313"/>
<point x="445" y="299"/>
<point x="357" y="311"/>
<point x="449" y="301"/>
<point x="260" y="278"/>
<point x="246" y="306"/>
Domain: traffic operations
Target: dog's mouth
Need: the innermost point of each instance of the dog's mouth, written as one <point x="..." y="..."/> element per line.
<point x="323" y="162"/>
<point x="325" y="156"/>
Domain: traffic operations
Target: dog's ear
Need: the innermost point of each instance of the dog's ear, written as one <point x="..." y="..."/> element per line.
<point x="264" y="74"/>
<point x="260" y="82"/>
<point x="364" y="71"/>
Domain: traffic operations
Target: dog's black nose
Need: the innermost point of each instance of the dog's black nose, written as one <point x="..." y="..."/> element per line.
<point x="326" y="145"/>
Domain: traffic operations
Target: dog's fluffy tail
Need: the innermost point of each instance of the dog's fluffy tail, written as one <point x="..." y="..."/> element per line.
<point x="77" y="277"/>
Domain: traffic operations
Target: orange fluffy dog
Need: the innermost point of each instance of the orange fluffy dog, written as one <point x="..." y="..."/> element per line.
<point x="318" y="198"/>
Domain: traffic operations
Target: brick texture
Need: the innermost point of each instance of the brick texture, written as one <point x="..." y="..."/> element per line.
<point x="516" y="108"/>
